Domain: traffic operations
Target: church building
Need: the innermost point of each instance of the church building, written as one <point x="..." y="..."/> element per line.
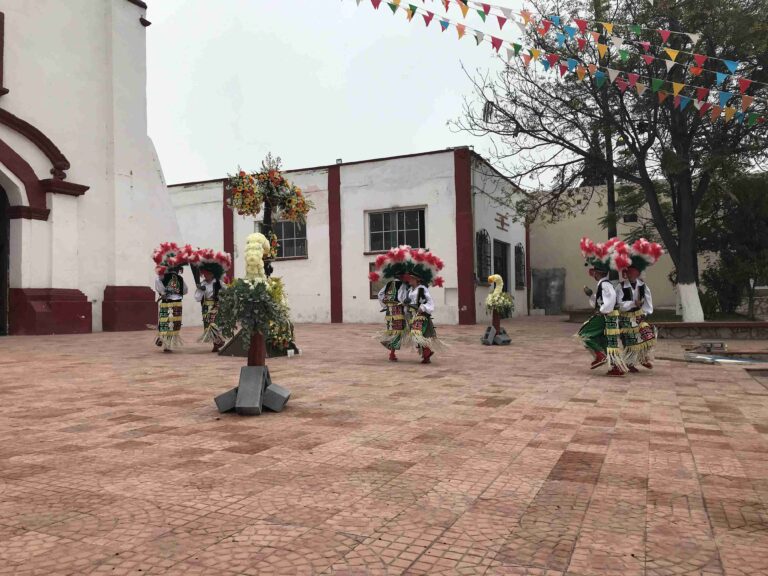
<point x="83" y="201"/>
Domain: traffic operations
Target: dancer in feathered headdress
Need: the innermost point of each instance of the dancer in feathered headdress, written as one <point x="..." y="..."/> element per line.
<point x="637" y="335"/>
<point x="169" y="260"/>
<point x="390" y="268"/>
<point x="422" y="271"/>
<point x="212" y="266"/>
<point x="600" y="334"/>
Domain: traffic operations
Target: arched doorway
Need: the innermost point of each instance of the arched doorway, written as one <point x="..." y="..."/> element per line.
<point x="5" y="243"/>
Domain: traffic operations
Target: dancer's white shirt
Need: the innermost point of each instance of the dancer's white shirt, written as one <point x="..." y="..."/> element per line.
<point x="205" y="290"/>
<point x="609" y="296"/>
<point x="647" y="306"/>
<point x="428" y="306"/>
<point x="160" y="288"/>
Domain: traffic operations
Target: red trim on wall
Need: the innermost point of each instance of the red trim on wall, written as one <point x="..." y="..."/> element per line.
<point x="27" y="213"/>
<point x="334" y="241"/>
<point x="63" y="187"/>
<point x="43" y="143"/>
<point x="128" y="308"/>
<point x="465" y="230"/>
<point x="229" y="228"/>
<point x="144" y="22"/>
<point x="23" y="171"/>
<point x="138" y="3"/>
<point x="48" y="311"/>
<point x="528" y="275"/>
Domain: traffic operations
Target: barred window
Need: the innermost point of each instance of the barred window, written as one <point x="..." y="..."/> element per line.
<point x="391" y="229"/>
<point x="520" y="272"/>
<point x="292" y="237"/>
<point x="483" y="260"/>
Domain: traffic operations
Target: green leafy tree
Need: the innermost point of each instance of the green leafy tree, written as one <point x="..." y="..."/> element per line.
<point x="544" y="125"/>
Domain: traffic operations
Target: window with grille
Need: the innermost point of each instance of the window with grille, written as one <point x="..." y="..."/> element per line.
<point x="519" y="267"/>
<point x="292" y="237"/>
<point x="483" y="260"/>
<point x="391" y="229"/>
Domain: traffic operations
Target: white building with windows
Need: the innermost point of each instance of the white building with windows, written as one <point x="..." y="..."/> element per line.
<point x="446" y="201"/>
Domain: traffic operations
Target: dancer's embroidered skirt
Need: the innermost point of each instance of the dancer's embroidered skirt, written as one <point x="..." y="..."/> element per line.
<point x="422" y="331"/>
<point x="397" y="327"/>
<point x="169" y="325"/>
<point x="601" y="333"/>
<point x="211" y="331"/>
<point x="638" y="337"/>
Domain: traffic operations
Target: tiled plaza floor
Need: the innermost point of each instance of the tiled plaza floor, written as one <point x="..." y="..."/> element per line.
<point x="499" y="461"/>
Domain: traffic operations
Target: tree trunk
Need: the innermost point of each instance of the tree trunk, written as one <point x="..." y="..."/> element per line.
<point x="687" y="257"/>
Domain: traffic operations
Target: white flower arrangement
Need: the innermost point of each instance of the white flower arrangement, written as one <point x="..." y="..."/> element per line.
<point x="498" y="300"/>
<point x="256" y="247"/>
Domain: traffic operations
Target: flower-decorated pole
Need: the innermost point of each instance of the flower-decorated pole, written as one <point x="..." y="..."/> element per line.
<point x="256" y="273"/>
<point x="498" y="302"/>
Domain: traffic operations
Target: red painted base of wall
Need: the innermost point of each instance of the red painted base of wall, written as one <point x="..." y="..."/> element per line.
<point x="48" y="311"/>
<point x="128" y="308"/>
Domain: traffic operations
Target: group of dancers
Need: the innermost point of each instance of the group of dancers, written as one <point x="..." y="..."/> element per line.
<point x="405" y="300"/>
<point x="209" y="269"/>
<point x="618" y="333"/>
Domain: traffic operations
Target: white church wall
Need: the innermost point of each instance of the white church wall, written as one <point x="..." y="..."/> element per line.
<point x="425" y="181"/>
<point x="64" y="241"/>
<point x="488" y="191"/>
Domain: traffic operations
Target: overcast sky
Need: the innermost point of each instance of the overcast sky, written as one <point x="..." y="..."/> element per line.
<point x="309" y="80"/>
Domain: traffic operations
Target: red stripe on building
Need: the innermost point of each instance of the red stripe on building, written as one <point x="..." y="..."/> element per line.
<point x="465" y="230"/>
<point x="334" y="239"/>
<point x="229" y="229"/>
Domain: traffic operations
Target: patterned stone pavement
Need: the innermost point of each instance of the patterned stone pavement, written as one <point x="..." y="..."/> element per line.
<point x="500" y="461"/>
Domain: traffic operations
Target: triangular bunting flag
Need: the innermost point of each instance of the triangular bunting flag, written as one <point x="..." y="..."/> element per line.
<point x="648" y="59"/>
<point x="646" y="45"/>
<point x="730" y="112"/>
<point x="479" y="37"/>
<point x="510" y="54"/>
<point x="608" y="27"/>
<point x="636" y="28"/>
<point x="358" y="2"/>
<point x="672" y="53"/>
<point x="526" y="16"/>
<point x="613" y="74"/>
<point x="486" y="8"/>
<point x="656" y="84"/>
<point x="640" y="87"/>
<point x="699" y="59"/>
<point x="581" y="72"/>
<point x="444" y="24"/>
<point x="526" y="59"/>
<point x="595" y="36"/>
<point x="502" y="20"/>
<point x="744" y="84"/>
<point x="517" y="48"/>
<point x="621" y="84"/>
<point x="694" y="38"/>
<point x="670" y="64"/>
<point x="684" y="101"/>
<point x="411" y="11"/>
<point x="617" y="41"/>
<point x="721" y="77"/>
<point x="496" y="43"/>
<point x="724" y="97"/>
<point x="571" y="31"/>
<point x="461" y="30"/>
<point x="732" y="65"/>
<point x="662" y="96"/>
<point x="696" y="71"/>
<point x="555" y="20"/>
<point x="482" y="14"/>
<point x="697" y="104"/>
<point x="545" y="63"/>
<point x="572" y="63"/>
<point x="553" y="59"/>
<point x="393" y="6"/>
<point x="428" y="18"/>
<point x="563" y="69"/>
<point x="560" y="39"/>
<point x="715" y="114"/>
<point x="664" y="35"/>
<point x="702" y="94"/>
<point x="633" y="78"/>
<point x="545" y="24"/>
<point x="676" y="102"/>
<point x="535" y="52"/>
<point x="740" y="117"/>
<point x="582" y="43"/>
<point x="507" y="13"/>
<point x="602" y="49"/>
<point x="746" y="102"/>
<point x="376" y="4"/>
<point x="677" y="87"/>
<point x="704" y="108"/>
<point x="447" y="4"/>
<point x="593" y="69"/>
<point x="624" y="55"/>
<point x="599" y="78"/>
<point x="521" y="26"/>
<point x="752" y="119"/>
<point x="582" y="24"/>
<point x="464" y="8"/>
